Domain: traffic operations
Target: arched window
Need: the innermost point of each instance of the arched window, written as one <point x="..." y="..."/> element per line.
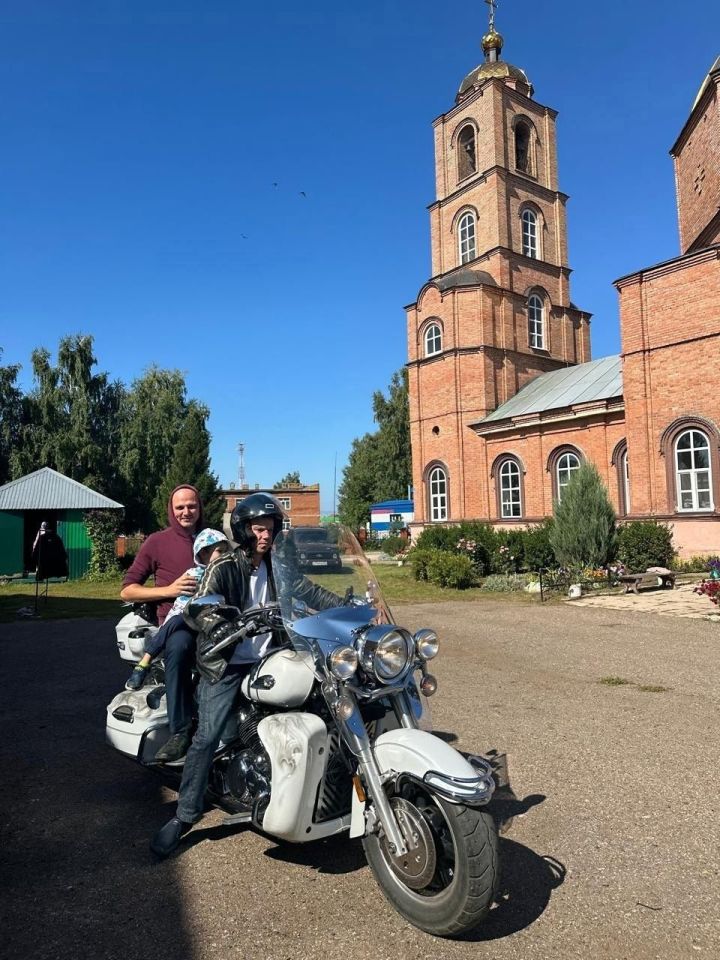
<point x="466" y="160"/>
<point x="437" y="494"/>
<point x="510" y="489"/>
<point x="522" y="146"/>
<point x="466" y="237"/>
<point x="530" y="234"/>
<point x="567" y="464"/>
<point x="693" y="472"/>
<point x="536" y="322"/>
<point x="622" y="466"/>
<point x="433" y="340"/>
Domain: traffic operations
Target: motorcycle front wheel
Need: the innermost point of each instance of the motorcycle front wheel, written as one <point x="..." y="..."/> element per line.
<point x="447" y="881"/>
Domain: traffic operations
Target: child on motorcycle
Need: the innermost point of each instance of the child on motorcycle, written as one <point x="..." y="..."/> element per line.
<point x="208" y="546"/>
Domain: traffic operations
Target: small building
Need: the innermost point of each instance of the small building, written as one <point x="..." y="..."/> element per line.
<point x="46" y="495"/>
<point x="390" y="515"/>
<point x="300" y="501"/>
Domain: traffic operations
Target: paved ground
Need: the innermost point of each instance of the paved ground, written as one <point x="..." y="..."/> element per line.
<point x="616" y="857"/>
<point x="680" y="602"/>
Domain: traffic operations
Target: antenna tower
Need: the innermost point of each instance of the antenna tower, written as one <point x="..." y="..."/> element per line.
<point x="241" y="466"/>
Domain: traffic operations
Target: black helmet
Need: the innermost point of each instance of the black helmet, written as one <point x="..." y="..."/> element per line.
<point x="252" y="507"/>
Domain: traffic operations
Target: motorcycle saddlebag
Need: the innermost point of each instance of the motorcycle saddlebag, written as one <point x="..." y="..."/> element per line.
<point x="131" y="632"/>
<point x="134" y="727"/>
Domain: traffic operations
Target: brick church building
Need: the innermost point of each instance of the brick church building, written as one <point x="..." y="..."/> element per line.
<point x="505" y="400"/>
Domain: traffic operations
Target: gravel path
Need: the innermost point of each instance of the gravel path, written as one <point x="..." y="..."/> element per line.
<point x="615" y="857"/>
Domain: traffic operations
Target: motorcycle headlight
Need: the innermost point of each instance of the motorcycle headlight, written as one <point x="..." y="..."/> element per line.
<point x="386" y="653"/>
<point x="426" y="644"/>
<point x="343" y="662"/>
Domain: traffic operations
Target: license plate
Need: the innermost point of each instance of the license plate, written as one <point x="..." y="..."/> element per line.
<point x="319" y="563"/>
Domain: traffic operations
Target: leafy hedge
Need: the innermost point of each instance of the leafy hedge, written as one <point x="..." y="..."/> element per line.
<point x="490" y="551"/>
<point x="645" y="543"/>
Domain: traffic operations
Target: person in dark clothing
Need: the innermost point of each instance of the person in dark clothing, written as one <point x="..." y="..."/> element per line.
<point x="166" y="556"/>
<point x="49" y="557"/>
<point x="244" y="579"/>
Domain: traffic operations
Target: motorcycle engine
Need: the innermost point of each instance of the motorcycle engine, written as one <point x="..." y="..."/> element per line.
<point x="247" y="769"/>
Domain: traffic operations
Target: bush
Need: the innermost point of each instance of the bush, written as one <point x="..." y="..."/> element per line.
<point x="439" y="538"/>
<point x="480" y="541"/>
<point x="698" y="564"/>
<point x="392" y="545"/>
<point x="419" y="560"/>
<point x="505" y="583"/>
<point x="645" y="543"/>
<point x="509" y="555"/>
<point x="451" y="570"/>
<point x="583" y="530"/>
<point x="539" y="554"/>
<point x="102" y="527"/>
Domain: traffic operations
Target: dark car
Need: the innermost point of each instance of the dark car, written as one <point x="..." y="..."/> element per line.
<point x="316" y="548"/>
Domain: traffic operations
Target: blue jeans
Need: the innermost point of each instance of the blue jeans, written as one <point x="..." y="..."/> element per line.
<point x="215" y="704"/>
<point x="179" y="662"/>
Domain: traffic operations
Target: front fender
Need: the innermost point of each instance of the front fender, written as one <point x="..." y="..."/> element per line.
<point x="424" y="757"/>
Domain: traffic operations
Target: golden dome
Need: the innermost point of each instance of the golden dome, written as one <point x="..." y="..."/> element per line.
<point x="492" y="40"/>
<point x="488" y="69"/>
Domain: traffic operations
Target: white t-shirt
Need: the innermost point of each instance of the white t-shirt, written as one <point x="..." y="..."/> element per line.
<point x="252" y="648"/>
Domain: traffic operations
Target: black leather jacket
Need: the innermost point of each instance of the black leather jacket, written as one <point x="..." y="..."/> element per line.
<point x="229" y="576"/>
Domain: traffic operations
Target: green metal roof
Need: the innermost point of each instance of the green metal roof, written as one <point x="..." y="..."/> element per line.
<point x="583" y="383"/>
<point x="46" y="489"/>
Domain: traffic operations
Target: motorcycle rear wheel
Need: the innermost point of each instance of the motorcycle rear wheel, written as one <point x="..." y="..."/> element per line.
<point x="466" y="874"/>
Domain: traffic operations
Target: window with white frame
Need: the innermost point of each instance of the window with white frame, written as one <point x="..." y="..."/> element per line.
<point x="536" y="322"/>
<point x="510" y="499"/>
<point x="693" y="471"/>
<point x="437" y="487"/>
<point x="284" y="502"/>
<point x="567" y="464"/>
<point x="287" y="523"/>
<point x="433" y="340"/>
<point x="530" y="234"/>
<point x="466" y="237"/>
<point x="625" y="475"/>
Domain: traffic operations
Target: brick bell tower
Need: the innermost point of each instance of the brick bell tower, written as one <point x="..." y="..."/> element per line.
<point x="497" y="311"/>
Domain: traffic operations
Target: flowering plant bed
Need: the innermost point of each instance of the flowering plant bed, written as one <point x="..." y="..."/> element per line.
<point x="709" y="589"/>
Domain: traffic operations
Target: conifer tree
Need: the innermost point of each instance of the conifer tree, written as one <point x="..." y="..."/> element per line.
<point x="583" y="531"/>
<point x="190" y="463"/>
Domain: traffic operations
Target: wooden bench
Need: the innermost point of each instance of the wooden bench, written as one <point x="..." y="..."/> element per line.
<point x="633" y="581"/>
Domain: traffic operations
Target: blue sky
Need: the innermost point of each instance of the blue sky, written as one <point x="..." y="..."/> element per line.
<point x="142" y="140"/>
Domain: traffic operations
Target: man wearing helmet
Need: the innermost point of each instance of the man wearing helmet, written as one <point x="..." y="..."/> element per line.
<point x="244" y="578"/>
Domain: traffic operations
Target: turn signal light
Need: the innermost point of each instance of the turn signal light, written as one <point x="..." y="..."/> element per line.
<point x="428" y="685"/>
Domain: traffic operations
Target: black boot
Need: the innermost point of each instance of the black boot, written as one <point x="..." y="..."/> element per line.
<point x="168" y="837"/>
<point x="175" y="748"/>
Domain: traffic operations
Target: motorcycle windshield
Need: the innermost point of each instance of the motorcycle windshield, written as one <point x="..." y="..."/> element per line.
<point x="325" y="585"/>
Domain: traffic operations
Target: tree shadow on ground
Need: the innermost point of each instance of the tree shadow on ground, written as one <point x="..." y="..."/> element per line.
<point x="78" y="880"/>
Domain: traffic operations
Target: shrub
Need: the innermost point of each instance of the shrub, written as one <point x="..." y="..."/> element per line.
<point x="509" y="556"/>
<point x="583" y="530"/>
<point x="439" y="538"/>
<point x="698" y="564"/>
<point x="392" y="545"/>
<point x="419" y="560"/>
<point x="451" y="570"/>
<point x="539" y="553"/>
<point x="505" y="583"/>
<point x="645" y="543"/>
<point x="102" y="527"/>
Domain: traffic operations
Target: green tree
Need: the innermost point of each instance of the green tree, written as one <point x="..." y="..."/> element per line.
<point x="289" y="480"/>
<point x="379" y="465"/>
<point x="155" y="412"/>
<point x="191" y="464"/>
<point x="393" y="439"/>
<point x="11" y="409"/>
<point x="583" y="531"/>
<point x="72" y="418"/>
<point x="357" y="489"/>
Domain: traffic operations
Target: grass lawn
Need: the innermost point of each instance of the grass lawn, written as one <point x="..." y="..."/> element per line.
<point x="80" y="598"/>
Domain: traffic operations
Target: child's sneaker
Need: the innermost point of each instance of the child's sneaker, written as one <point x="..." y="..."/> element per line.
<point x="137" y="678"/>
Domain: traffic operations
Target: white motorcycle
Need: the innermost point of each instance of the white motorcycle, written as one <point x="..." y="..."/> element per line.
<point x="332" y="736"/>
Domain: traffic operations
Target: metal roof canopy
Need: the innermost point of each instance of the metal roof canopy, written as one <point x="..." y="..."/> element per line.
<point x="46" y="489"/>
<point x="582" y="383"/>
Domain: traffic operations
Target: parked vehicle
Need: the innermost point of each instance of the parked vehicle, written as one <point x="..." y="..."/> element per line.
<point x="317" y="547"/>
<point x="333" y="737"/>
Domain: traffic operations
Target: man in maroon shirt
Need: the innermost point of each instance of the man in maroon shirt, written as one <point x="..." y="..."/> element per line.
<point x="166" y="556"/>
